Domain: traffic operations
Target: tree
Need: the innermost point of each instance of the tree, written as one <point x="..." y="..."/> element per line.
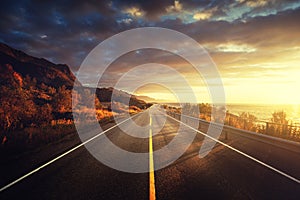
<point x="279" y="117"/>
<point x="62" y="100"/>
<point x="45" y="114"/>
<point x="51" y="90"/>
<point x="98" y="104"/>
<point x="18" y="108"/>
<point x="247" y="121"/>
<point x="43" y="86"/>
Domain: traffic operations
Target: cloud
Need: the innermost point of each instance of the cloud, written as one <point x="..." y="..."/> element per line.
<point x="202" y="16"/>
<point x="134" y="11"/>
<point x="255" y="3"/>
<point x="248" y="40"/>
<point x="177" y="7"/>
<point x="205" y="14"/>
<point x="73" y="30"/>
<point x="234" y="48"/>
<point x="43" y="36"/>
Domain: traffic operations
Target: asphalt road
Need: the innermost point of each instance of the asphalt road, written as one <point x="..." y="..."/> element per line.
<point x="222" y="174"/>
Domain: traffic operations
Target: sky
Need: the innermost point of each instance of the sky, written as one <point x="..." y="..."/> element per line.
<point x="255" y="45"/>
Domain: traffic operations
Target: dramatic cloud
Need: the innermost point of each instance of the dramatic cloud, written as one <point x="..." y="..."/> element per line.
<point x="247" y="39"/>
<point x="134" y="11"/>
<point x="177" y="7"/>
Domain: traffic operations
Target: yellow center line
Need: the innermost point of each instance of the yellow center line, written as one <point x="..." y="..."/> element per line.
<point x="151" y="165"/>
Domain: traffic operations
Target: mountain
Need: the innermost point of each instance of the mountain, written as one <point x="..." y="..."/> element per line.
<point x="104" y="95"/>
<point x="146" y="98"/>
<point x="35" y="91"/>
<point x="43" y="71"/>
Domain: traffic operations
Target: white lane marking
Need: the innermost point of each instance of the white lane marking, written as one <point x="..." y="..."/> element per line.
<point x="242" y="153"/>
<point x="62" y="155"/>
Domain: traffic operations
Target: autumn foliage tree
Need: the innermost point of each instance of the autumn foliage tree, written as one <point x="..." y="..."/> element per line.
<point x="62" y="100"/>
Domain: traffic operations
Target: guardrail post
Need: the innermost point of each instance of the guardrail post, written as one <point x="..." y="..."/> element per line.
<point x="226" y="135"/>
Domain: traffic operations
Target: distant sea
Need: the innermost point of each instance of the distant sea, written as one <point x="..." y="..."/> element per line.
<point x="264" y="112"/>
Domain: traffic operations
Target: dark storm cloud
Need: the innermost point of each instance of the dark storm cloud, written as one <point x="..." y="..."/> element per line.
<point x="69" y="27"/>
<point x="279" y="29"/>
<point x="66" y="31"/>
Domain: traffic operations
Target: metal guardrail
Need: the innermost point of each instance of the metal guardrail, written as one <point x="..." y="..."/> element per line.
<point x="286" y="131"/>
<point x="227" y="130"/>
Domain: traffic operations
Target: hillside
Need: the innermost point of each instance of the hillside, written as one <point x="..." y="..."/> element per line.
<point x="147" y="99"/>
<point x="43" y="71"/>
<point x="34" y="92"/>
